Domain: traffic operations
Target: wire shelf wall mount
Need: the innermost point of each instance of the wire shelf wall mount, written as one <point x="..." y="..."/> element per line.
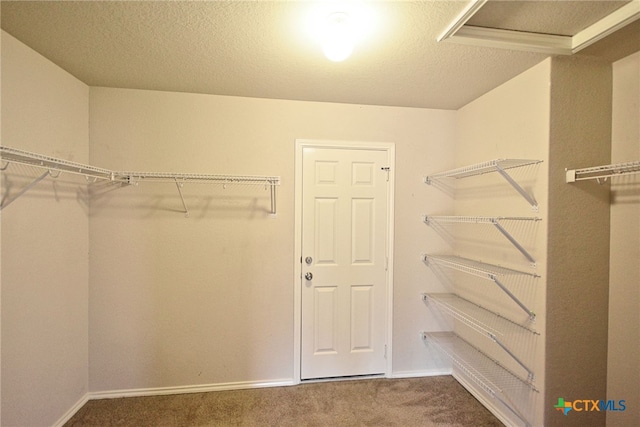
<point x="54" y="167"/>
<point x="498" y="165"/>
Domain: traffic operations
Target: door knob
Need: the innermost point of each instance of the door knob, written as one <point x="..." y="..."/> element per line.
<point x="308" y="275"/>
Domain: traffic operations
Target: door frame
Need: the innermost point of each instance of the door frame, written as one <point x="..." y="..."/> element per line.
<point x="300" y="145"/>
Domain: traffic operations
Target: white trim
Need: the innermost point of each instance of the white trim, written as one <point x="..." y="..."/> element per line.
<point x="461" y="19"/>
<point x="72" y="411"/>
<point x="607" y="25"/>
<point x="515" y="40"/>
<point x="300" y="144"/>
<point x="340" y="379"/>
<point x="204" y="388"/>
<point x="391" y="156"/>
<point x="458" y="32"/>
<point x="420" y="374"/>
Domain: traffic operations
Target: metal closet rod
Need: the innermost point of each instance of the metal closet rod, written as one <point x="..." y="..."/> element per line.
<point x="602" y="172"/>
<point x="56" y="166"/>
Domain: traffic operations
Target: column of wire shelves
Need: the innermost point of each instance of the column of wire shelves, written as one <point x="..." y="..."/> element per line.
<point x="485" y="372"/>
<point x="476" y="367"/>
<point x="485" y="322"/>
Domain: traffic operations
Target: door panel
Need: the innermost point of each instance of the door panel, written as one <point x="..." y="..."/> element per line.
<point x="344" y="232"/>
<point x="362" y="231"/>
<point x="325" y="229"/>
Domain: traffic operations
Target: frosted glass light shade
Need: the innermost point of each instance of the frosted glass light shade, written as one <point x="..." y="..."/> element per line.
<point x="339" y="38"/>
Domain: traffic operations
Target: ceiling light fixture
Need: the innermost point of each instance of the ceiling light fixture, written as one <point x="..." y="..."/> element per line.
<point x="339" y="37"/>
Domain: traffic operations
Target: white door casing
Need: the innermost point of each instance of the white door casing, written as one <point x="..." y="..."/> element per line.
<point x="343" y="216"/>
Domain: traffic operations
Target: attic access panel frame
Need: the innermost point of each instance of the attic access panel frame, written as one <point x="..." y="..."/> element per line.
<point x="458" y="32"/>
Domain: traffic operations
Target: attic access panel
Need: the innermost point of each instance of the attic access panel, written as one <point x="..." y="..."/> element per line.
<point x="564" y="18"/>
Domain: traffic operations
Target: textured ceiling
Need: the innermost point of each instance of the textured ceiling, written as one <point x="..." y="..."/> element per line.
<point x="264" y="49"/>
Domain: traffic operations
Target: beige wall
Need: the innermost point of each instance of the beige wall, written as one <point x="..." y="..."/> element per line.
<point x="1" y="186"/>
<point x="623" y="375"/>
<point x="512" y="122"/>
<point x="578" y="245"/>
<point x="178" y="301"/>
<point x="44" y="243"/>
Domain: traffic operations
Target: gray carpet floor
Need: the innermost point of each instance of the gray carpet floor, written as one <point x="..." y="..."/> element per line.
<point x="431" y="401"/>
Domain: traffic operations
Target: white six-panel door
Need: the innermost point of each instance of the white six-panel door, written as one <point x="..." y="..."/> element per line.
<point x="344" y="262"/>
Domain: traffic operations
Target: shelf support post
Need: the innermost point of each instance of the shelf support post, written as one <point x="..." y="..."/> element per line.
<point x="179" y="187"/>
<point x="530" y="375"/>
<point x="273" y="197"/>
<point x="528" y="197"/>
<point x="515" y="299"/>
<point x="513" y="241"/>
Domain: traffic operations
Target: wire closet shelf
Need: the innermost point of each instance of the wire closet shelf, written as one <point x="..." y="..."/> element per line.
<point x="498" y="165"/>
<point x="496" y="221"/>
<point x="55" y="166"/>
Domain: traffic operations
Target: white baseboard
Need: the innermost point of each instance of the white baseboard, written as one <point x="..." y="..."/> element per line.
<point x="72" y="411"/>
<point x="416" y="374"/>
<point x="204" y="388"/>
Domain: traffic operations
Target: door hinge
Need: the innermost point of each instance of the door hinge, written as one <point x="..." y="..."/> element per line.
<point x="386" y="169"/>
<point x="386" y="263"/>
<point x="385" y="351"/>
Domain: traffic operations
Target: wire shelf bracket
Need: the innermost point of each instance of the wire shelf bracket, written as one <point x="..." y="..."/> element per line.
<point x="498" y="165"/>
<point x="55" y="166"/>
<point x="6" y="202"/>
<point x="481" y="320"/>
<point x="484" y="371"/>
<point x="495" y="221"/>
<point x="602" y="173"/>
